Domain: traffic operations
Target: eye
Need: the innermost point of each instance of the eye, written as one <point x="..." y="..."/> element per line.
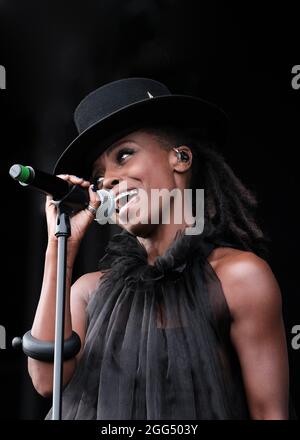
<point x="124" y="152"/>
<point x="120" y="157"/>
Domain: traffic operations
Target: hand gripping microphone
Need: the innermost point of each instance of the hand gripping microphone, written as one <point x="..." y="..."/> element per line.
<point x="74" y="197"/>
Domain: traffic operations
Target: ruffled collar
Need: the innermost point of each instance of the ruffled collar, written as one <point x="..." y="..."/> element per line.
<point x="126" y="256"/>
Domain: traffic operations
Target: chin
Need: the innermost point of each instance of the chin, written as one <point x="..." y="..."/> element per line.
<point x="138" y="229"/>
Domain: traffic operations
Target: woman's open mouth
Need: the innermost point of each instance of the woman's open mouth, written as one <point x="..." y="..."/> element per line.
<point x="123" y="199"/>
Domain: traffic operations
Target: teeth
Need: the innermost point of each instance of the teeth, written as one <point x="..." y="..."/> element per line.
<point x="124" y="197"/>
<point x="125" y="193"/>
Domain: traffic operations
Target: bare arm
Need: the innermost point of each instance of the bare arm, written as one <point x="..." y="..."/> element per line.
<point x="44" y="323"/>
<point x="258" y="334"/>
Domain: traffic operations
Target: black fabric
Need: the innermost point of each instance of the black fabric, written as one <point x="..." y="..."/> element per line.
<point x="157" y="343"/>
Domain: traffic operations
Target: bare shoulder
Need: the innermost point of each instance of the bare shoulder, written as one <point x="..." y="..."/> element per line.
<point x="86" y="285"/>
<point x="257" y="329"/>
<point x="247" y="280"/>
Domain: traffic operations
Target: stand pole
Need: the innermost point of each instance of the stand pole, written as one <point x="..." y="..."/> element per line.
<point x="63" y="231"/>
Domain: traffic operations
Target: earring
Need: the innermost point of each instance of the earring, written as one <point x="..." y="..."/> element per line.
<point x="182" y="155"/>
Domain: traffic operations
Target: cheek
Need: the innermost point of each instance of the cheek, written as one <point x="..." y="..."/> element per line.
<point x="161" y="177"/>
<point x="138" y="170"/>
<point x="158" y="174"/>
<point x="152" y="172"/>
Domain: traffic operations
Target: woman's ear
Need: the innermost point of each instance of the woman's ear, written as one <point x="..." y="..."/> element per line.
<point x="181" y="158"/>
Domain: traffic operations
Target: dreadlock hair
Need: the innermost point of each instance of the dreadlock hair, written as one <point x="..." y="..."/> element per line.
<point x="229" y="207"/>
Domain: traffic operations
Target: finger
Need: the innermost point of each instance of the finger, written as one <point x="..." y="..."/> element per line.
<point x="85" y="183"/>
<point x="94" y="203"/>
<point x="70" y="177"/>
<point x="63" y="176"/>
<point x="94" y="197"/>
<point x="50" y="205"/>
<point x="49" y="199"/>
<point x="75" y="179"/>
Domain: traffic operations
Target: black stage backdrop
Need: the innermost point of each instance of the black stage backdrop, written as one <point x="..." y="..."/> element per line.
<point x="55" y="52"/>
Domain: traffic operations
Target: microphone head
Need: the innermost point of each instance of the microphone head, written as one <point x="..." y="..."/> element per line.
<point x="23" y="174"/>
<point x="107" y="206"/>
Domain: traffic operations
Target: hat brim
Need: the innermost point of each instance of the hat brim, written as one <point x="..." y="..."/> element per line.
<point x="179" y="110"/>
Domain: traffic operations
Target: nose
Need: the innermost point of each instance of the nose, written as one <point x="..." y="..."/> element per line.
<point x="109" y="182"/>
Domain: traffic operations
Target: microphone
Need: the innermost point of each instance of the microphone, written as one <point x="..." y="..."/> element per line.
<point x="74" y="197"/>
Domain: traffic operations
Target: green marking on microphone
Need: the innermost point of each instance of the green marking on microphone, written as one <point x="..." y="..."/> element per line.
<point x="20" y="173"/>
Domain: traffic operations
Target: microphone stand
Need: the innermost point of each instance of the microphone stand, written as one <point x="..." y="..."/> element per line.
<point x="70" y="203"/>
<point x="62" y="232"/>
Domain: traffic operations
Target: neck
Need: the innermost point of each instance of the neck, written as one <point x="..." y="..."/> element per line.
<point x="160" y="240"/>
<point x="160" y="237"/>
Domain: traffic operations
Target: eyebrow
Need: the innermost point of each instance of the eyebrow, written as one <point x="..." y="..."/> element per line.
<point x="109" y="150"/>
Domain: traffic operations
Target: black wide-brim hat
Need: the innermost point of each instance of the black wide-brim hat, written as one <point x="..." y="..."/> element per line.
<point x="120" y="107"/>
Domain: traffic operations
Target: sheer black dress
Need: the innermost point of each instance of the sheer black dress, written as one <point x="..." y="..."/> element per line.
<point x="157" y="343"/>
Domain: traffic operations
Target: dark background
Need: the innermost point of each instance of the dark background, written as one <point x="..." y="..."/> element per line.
<point x="56" y="52"/>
